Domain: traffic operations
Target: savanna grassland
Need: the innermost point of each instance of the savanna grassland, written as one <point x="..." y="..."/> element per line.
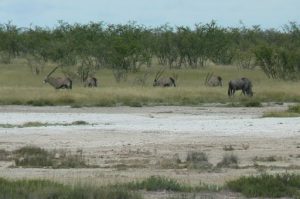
<point x="139" y="141"/>
<point x="83" y="159"/>
<point x="20" y="87"/>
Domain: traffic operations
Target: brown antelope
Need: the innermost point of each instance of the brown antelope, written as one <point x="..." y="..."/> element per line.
<point x="58" y="82"/>
<point x="163" y="81"/>
<point x="213" y="80"/>
<point x="90" y="82"/>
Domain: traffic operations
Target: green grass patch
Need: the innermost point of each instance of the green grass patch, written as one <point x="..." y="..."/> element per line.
<point x="44" y="189"/>
<point x="35" y="157"/>
<point x="294" y="109"/>
<point x="20" y="87"/>
<point x="266" y="185"/>
<point x="159" y="183"/>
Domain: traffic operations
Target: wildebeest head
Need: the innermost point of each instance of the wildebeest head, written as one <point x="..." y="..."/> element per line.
<point x="243" y="84"/>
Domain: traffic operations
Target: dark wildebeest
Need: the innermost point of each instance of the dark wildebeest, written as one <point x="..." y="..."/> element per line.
<point x="90" y="82"/>
<point x="243" y="84"/>
<point x="164" y="81"/>
<point x="213" y="80"/>
<point x="58" y="82"/>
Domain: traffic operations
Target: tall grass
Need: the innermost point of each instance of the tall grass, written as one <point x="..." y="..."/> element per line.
<point x="19" y="86"/>
<point x="266" y="185"/>
<point x="160" y="183"/>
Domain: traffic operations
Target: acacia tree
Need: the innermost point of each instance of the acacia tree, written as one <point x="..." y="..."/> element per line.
<point x="9" y="42"/>
<point x="83" y="49"/>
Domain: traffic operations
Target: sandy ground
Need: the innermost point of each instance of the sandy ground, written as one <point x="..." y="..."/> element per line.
<point x="144" y="139"/>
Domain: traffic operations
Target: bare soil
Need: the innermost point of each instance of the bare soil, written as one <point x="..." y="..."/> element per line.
<point x="134" y="143"/>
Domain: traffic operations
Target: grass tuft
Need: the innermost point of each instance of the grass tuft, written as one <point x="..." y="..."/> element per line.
<point x="229" y="161"/>
<point x="197" y="160"/>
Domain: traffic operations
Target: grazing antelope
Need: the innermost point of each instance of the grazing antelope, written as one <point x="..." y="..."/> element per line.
<point x="163" y="81"/>
<point x="58" y="82"/>
<point x="90" y="82"/>
<point x="213" y="80"/>
<point x="243" y="84"/>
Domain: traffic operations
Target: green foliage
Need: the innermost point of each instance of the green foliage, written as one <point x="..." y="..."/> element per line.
<point x="279" y="63"/>
<point x="82" y="49"/>
<point x="266" y="185"/>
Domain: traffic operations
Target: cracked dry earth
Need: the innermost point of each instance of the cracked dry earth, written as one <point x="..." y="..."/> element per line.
<point x="134" y="143"/>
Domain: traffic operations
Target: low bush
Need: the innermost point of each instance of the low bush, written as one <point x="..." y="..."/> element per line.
<point x="229" y="160"/>
<point x="31" y="156"/>
<point x="197" y="160"/>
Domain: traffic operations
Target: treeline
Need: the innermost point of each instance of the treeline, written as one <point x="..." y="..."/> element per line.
<point x="125" y="48"/>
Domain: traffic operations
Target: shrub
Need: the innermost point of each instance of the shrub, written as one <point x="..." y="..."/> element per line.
<point x="31" y="156"/>
<point x="197" y="160"/>
<point x="196" y="157"/>
<point x="228" y="161"/>
<point x="4" y="155"/>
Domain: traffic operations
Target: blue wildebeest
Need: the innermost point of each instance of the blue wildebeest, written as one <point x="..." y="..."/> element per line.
<point x="58" y="82"/>
<point x="243" y="84"/>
